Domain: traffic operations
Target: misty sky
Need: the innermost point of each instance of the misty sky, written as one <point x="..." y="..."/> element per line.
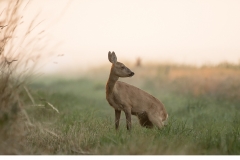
<point x="182" y="31"/>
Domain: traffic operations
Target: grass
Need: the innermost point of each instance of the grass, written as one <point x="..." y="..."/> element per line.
<point x="21" y="55"/>
<point x="206" y="123"/>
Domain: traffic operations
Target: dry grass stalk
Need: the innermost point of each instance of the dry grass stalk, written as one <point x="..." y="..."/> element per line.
<point x="20" y="54"/>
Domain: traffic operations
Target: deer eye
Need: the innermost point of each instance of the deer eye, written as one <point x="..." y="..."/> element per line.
<point x="122" y="67"/>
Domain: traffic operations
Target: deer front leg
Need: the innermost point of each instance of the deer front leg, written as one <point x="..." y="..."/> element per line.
<point x="117" y="118"/>
<point x="128" y="119"/>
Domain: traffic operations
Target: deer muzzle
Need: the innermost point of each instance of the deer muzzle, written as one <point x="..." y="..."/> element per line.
<point x="131" y="74"/>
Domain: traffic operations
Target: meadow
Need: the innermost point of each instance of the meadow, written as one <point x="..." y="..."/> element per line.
<point x="73" y="116"/>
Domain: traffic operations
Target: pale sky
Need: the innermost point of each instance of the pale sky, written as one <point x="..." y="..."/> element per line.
<point x="182" y="31"/>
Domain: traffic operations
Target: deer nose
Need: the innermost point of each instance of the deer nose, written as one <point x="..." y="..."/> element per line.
<point x="131" y="74"/>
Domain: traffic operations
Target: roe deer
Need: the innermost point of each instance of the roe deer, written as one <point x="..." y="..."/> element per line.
<point x="132" y="100"/>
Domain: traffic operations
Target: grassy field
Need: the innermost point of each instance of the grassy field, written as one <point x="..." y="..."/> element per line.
<point x="203" y="106"/>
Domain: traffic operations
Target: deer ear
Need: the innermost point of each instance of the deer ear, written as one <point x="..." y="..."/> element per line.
<point x="112" y="57"/>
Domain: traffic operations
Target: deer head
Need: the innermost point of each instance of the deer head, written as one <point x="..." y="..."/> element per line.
<point x="118" y="68"/>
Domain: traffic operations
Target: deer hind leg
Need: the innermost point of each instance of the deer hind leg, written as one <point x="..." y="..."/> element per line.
<point x="156" y="120"/>
<point x="144" y="121"/>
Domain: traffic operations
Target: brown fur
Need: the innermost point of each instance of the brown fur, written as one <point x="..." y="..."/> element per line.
<point x="144" y="121"/>
<point x="132" y="100"/>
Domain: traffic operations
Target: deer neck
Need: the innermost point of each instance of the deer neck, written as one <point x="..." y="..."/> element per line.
<point x="111" y="82"/>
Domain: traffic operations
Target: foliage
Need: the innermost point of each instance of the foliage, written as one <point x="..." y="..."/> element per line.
<point x="21" y="52"/>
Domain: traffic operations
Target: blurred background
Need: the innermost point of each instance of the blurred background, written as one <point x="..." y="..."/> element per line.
<point x="184" y="32"/>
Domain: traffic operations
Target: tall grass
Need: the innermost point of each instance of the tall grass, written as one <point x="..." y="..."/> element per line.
<point x="21" y="52"/>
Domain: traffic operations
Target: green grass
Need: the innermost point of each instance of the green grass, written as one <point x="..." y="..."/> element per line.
<point x="85" y="122"/>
